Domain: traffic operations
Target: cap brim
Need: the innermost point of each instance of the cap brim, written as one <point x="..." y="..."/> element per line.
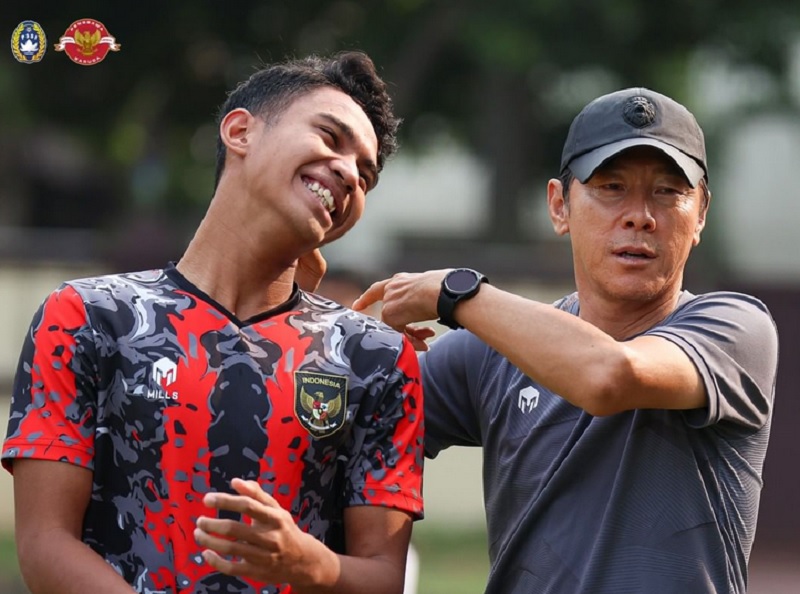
<point x="584" y="166"/>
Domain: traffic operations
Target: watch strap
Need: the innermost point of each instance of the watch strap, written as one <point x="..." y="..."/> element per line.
<point x="445" y="308"/>
<point x="447" y="300"/>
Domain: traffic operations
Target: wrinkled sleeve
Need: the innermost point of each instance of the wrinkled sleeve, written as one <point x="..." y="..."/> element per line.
<point x="387" y="471"/>
<point x="53" y="404"/>
<point x="451" y="377"/>
<point x="733" y="342"/>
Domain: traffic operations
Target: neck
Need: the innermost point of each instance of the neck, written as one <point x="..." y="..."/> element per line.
<point x="237" y="262"/>
<point x="625" y="319"/>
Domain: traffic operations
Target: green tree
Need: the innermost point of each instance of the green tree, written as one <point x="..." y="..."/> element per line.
<point x="503" y="77"/>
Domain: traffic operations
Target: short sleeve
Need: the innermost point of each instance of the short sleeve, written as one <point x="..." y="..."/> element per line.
<point x="451" y="377"/>
<point x="53" y="403"/>
<point x="733" y="342"/>
<point x="387" y="470"/>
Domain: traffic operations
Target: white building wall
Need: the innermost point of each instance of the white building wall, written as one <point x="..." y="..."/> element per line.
<point x="757" y="199"/>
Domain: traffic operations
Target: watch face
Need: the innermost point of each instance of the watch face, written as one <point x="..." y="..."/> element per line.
<point x="461" y="281"/>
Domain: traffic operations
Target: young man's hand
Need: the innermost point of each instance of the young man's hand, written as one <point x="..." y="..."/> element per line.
<point x="269" y="547"/>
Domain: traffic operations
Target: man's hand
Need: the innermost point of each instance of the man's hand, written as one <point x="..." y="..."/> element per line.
<point x="407" y="298"/>
<point x="271" y="549"/>
<point x="311" y="267"/>
<point x="417" y="335"/>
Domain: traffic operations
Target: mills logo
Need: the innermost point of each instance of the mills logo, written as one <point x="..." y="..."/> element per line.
<point x="87" y="42"/>
<point x="163" y="375"/>
<point x="28" y="42"/>
<point x="528" y="399"/>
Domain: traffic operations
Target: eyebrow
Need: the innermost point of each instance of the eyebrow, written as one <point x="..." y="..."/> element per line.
<point x="345" y="129"/>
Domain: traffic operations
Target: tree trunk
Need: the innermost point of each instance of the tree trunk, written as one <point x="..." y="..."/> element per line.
<point x="507" y="134"/>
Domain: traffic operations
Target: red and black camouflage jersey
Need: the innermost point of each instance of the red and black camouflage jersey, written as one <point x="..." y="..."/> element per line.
<point x="166" y="396"/>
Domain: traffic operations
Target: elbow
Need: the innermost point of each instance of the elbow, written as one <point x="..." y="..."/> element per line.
<point x="26" y="553"/>
<point x="38" y="558"/>
<point x="28" y="559"/>
<point x="607" y="386"/>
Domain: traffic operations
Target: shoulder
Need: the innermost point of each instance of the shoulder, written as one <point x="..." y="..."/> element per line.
<point x="569" y="303"/>
<point x="728" y="298"/>
<point x="119" y="284"/>
<point x="123" y="291"/>
<point x="723" y="308"/>
<point x="94" y="298"/>
<point x="732" y="331"/>
<point x="459" y="352"/>
<point x="348" y="325"/>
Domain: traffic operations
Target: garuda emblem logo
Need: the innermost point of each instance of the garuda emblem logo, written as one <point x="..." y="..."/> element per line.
<point x="87" y="42"/>
<point x="320" y="402"/>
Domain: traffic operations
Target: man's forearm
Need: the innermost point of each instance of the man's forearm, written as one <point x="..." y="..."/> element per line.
<point x="59" y="564"/>
<point x="358" y="575"/>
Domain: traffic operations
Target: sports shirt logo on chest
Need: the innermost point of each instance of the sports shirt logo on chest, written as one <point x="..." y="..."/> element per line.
<point x="528" y="399"/>
<point x="162" y="376"/>
<point x="320" y="402"/>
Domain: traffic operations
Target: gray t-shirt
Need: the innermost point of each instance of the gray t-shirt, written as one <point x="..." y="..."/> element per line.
<point x="645" y="501"/>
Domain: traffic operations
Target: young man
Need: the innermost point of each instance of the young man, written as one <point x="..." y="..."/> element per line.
<point x="210" y="427"/>
<point x="624" y="429"/>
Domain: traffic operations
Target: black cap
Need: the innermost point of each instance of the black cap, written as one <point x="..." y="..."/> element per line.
<point x="634" y="117"/>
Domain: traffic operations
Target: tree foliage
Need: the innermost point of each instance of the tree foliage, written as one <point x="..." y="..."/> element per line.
<point x="502" y="77"/>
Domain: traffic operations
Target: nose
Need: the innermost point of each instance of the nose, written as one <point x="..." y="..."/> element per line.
<point x="346" y="169"/>
<point x="639" y="215"/>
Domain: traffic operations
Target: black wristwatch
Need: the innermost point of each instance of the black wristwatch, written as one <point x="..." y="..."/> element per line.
<point x="458" y="285"/>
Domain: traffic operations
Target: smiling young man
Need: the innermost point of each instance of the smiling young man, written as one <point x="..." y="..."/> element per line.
<point x="624" y="427"/>
<point x="209" y="427"/>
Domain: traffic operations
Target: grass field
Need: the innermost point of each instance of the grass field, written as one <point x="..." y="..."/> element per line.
<point x="450" y="561"/>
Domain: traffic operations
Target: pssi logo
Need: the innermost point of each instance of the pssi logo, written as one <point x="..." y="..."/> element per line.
<point x="28" y="42"/>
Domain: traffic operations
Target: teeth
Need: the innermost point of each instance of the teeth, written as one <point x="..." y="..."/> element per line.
<point x="324" y="194"/>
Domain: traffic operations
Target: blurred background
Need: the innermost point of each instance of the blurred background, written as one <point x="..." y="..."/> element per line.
<point x="110" y="167"/>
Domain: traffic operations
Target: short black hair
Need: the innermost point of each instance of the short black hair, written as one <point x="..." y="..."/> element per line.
<point x="270" y="90"/>
<point x="566" y="178"/>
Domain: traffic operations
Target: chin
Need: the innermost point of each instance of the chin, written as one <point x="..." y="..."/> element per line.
<point x="636" y="292"/>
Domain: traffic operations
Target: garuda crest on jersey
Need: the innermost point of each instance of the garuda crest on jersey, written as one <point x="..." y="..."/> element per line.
<point x="320" y="402"/>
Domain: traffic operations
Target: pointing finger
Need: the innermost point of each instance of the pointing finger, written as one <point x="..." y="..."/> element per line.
<point x="371" y="296"/>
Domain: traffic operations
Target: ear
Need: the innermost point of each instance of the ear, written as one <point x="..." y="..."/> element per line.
<point x="557" y="207"/>
<point x="701" y="218"/>
<point x="235" y="130"/>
